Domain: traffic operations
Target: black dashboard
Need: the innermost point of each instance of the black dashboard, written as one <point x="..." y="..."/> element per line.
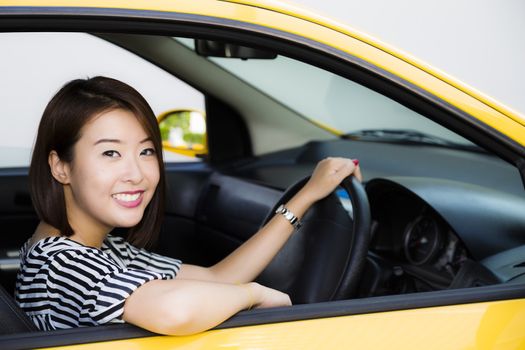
<point x="433" y="234"/>
<point x="486" y="221"/>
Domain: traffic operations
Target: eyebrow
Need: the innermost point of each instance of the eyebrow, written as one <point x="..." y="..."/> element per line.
<point x="118" y="141"/>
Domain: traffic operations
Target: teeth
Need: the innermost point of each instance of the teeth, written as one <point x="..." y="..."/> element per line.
<point x="125" y="197"/>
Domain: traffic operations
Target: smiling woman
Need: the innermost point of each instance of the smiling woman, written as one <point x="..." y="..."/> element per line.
<point x="108" y="165"/>
<point x="76" y="120"/>
<point x="95" y="167"/>
<point x="92" y="157"/>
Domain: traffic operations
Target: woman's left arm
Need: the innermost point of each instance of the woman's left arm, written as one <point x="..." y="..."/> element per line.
<point x="249" y="260"/>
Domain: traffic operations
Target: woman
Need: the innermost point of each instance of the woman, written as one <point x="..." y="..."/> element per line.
<point x="97" y="164"/>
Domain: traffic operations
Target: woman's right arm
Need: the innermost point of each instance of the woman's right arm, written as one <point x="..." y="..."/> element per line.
<point x="181" y="307"/>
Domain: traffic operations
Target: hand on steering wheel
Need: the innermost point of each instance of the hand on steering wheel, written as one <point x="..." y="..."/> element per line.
<point x="324" y="259"/>
<point x="328" y="174"/>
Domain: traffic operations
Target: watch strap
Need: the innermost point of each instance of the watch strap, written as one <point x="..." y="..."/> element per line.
<point x="288" y="215"/>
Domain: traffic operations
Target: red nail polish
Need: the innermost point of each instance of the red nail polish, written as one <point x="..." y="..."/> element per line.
<point x="356" y="162"/>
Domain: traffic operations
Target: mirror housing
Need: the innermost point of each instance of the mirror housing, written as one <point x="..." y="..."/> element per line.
<point x="183" y="131"/>
<point x="212" y="48"/>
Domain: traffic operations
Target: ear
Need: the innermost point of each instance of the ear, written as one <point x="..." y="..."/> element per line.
<point x="59" y="168"/>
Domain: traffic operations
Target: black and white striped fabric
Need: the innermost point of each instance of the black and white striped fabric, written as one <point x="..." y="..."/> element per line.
<point x="64" y="284"/>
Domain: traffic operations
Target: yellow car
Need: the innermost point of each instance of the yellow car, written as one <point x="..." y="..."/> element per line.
<point x="428" y="253"/>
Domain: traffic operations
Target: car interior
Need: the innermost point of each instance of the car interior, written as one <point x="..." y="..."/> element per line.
<point x="440" y="208"/>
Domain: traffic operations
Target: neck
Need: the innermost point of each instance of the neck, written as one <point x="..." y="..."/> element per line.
<point x="44" y="230"/>
<point x="86" y="230"/>
<point x="88" y="239"/>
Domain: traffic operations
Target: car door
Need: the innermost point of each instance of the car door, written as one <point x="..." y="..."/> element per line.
<point x="240" y="120"/>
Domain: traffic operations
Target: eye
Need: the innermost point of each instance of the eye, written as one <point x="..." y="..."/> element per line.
<point x="148" y="152"/>
<point x="111" y="154"/>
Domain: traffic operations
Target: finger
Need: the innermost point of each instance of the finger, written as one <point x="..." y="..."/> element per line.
<point x="357" y="173"/>
<point x="349" y="167"/>
<point x="345" y="168"/>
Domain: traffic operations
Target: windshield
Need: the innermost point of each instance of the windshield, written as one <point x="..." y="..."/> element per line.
<point x="327" y="99"/>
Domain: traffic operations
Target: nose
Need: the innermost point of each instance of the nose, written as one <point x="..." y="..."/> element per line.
<point x="133" y="172"/>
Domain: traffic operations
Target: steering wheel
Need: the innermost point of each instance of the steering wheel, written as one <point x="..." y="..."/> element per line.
<point x="324" y="259"/>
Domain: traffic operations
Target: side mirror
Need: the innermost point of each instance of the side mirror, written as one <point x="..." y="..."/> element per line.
<point x="183" y="131"/>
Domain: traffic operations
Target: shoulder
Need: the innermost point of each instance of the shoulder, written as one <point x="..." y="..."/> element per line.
<point x="50" y="246"/>
<point x="62" y="252"/>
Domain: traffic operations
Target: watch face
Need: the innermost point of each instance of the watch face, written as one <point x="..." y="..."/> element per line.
<point x="288" y="215"/>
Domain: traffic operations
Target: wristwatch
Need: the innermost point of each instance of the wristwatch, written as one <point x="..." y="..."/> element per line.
<point x="288" y="215"/>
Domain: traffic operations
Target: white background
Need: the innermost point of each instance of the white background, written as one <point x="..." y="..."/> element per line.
<point x="480" y="42"/>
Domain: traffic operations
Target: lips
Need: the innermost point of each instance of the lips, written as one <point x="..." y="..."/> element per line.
<point x="130" y="199"/>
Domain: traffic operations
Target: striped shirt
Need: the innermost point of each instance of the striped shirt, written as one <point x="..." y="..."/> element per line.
<point x="64" y="284"/>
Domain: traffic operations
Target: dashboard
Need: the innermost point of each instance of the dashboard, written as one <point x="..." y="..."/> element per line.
<point x="425" y="239"/>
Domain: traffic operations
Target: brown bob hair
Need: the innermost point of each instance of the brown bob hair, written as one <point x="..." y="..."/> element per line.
<point x="75" y="104"/>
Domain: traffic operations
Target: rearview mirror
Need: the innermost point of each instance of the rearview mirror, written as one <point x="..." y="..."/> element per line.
<point x="183" y="131"/>
<point x="211" y="48"/>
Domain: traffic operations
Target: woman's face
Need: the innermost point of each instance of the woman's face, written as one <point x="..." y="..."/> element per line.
<point x="113" y="175"/>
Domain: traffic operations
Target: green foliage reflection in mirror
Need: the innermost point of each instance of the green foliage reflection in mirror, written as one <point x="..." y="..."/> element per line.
<point x="183" y="131"/>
